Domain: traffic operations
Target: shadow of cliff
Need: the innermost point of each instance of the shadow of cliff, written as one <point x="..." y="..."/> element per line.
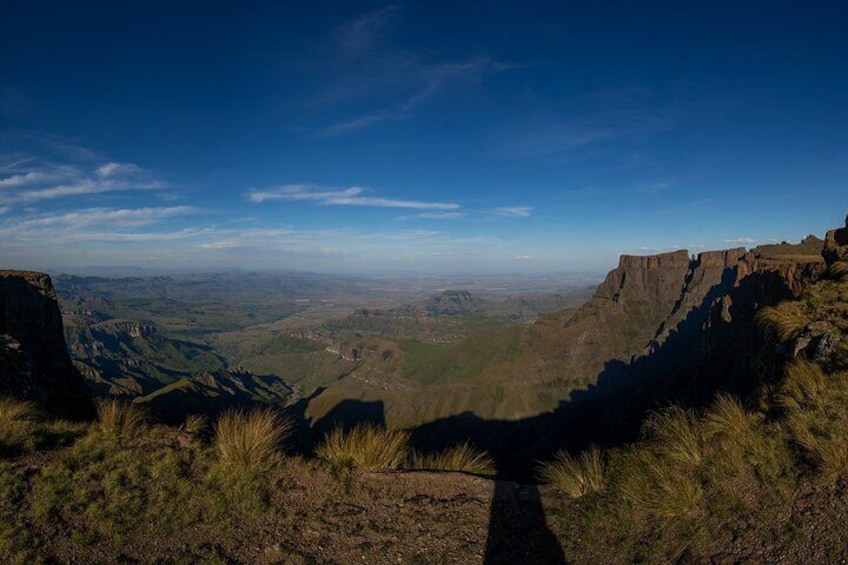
<point x="716" y="346"/>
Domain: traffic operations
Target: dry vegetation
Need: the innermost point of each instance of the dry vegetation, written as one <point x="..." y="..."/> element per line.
<point x="366" y="446"/>
<point x="250" y="440"/>
<point x="463" y="458"/>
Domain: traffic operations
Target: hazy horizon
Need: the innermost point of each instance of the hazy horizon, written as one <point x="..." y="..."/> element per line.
<point x="482" y="138"/>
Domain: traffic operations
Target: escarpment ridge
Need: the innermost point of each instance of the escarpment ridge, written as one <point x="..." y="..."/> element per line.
<point x="34" y="362"/>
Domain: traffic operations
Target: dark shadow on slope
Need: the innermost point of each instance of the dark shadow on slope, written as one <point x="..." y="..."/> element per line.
<point x="518" y="532"/>
<point x="349" y="413"/>
<point x="717" y="347"/>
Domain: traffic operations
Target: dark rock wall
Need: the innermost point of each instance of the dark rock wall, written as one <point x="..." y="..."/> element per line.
<point x="34" y="361"/>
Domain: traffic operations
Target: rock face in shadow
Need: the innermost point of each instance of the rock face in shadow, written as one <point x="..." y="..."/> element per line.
<point x="34" y="362"/>
<point x="836" y="245"/>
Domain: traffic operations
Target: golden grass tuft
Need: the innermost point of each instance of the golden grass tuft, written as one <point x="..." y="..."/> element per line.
<point x="787" y="320"/>
<point x="366" y="446"/>
<point x="677" y="436"/>
<point x="805" y="387"/>
<point x="16" y="410"/>
<point x="119" y="418"/>
<point x="839" y="270"/>
<point x="250" y="439"/>
<point x="463" y="457"/>
<point x="727" y="420"/>
<point x="575" y="477"/>
<point x="195" y="424"/>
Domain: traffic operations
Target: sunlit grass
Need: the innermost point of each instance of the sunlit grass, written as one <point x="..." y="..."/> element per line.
<point x="250" y="440"/>
<point x="787" y="319"/>
<point x="575" y="476"/>
<point x="463" y="457"/>
<point x="366" y="446"/>
<point x="118" y="419"/>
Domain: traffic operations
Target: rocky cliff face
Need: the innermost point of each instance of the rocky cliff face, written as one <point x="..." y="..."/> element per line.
<point x="674" y="304"/>
<point x="34" y="362"/>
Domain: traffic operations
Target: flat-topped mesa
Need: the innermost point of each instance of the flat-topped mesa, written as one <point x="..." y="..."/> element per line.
<point x="34" y="361"/>
<point x="646" y="276"/>
<point x="723" y="259"/>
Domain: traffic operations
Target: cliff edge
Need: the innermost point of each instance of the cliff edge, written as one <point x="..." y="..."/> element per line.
<point x="34" y="362"/>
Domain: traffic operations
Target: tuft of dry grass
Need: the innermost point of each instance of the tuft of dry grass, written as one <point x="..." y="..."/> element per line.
<point x="676" y="435"/>
<point x="119" y="418"/>
<point x="727" y="421"/>
<point x="16" y="410"/>
<point x="839" y="270"/>
<point x="575" y="477"/>
<point x="195" y="424"/>
<point x="463" y="457"/>
<point x="250" y="439"/>
<point x="805" y="387"/>
<point x="366" y="446"/>
<point x="787" y="319"/>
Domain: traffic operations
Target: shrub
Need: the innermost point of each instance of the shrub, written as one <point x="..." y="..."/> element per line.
<point x="249" y="440"/>
<point x="366" y="446"/>
<point x="463" y="457"/>
<point x="787" y="319"/>
<point x="575" y="477"/>
<point x="118" y="419"/>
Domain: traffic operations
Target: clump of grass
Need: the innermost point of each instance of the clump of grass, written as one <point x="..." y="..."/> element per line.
<point x="463" y="457"/>
<point x="575" y="477"/>
<point x="16" y="410"/>
<point x="676" y="495"/>
<point x="195" y="424"/>
<point x="727" y="421"/>
<point x="366" y="446"/>
<point x="787" y="319"/>
<point x="804" y="388"/>
<point x="119" y="419"/>
<point x="249" y="440"/>
<point x="676" y="434"/>
<point x="17" y="418"/>
<point x="839" y="270"/>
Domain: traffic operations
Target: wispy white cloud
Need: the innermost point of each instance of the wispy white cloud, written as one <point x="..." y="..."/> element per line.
<point x="441" y="215"/>
<point x="126" y="217"/>
<point x="514" y="211"/>
<point x="117" y="169"/>
<point x="363" y="76"/>
<point x="741" y="240"/>
<point x="522" y="258"/>
<point x="353" y="196"/>
<point x="361" y="36"/>
<point x="556" y="136"/>
<point x="23" y="179"/>
<point x="49" y="181"/>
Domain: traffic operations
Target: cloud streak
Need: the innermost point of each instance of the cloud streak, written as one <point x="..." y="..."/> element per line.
<point x="46" y="182"/>
<point x="514" y="211"/>
<point x="353" y="196"/>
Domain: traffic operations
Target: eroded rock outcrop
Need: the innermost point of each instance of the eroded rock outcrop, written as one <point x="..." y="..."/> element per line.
<point x="34" y="361"/>
<point x="836" y="245"/>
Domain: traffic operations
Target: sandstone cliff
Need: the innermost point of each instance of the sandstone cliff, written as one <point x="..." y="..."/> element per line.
<point x="34" y="362"/>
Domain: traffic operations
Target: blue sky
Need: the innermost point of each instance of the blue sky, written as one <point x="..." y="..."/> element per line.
<point x="488" y="136"/>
